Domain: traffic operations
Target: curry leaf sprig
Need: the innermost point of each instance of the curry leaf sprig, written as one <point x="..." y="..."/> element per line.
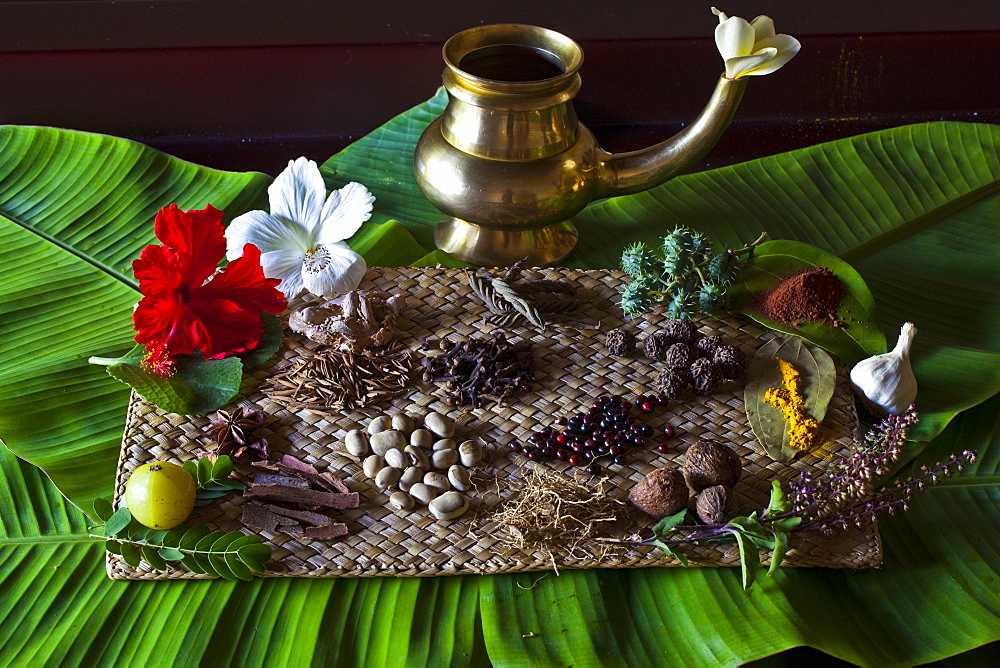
<point x="212" y="478"/>
<point x="683" y="274"/>
<point x="850" y="492"/>
<point x="231" y="555"/>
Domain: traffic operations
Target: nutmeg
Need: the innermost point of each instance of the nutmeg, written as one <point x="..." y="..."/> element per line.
<point x="708" y="463"/>
<point x="714" y="504"/>
<point x="661" y="493"/>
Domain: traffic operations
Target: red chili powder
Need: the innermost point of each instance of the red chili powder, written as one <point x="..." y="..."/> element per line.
<point x="814" y="294"/>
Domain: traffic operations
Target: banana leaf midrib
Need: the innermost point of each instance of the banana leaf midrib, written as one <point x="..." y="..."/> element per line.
<point x="920" y="223"/>
<point x="978" y="481"/>
<point x="69" y="248"/>
<point x="50" y="539"/>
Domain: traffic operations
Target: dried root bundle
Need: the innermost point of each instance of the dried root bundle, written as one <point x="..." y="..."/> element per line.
<point x="556" y="513"/>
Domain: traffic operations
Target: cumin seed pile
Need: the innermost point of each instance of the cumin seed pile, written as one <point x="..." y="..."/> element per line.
<point x="335" y="380"/>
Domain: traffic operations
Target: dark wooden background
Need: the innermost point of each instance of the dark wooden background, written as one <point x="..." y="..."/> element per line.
<point x="247" y="85"/>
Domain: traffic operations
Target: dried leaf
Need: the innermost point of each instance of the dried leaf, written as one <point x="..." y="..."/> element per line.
<point x="819" y="380"/>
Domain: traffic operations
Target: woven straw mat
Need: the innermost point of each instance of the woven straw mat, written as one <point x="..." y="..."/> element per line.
<point x="571" y="369"/>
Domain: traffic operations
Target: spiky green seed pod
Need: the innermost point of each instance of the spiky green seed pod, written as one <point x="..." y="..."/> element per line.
<point x="636" y="298"/>
<point x="683" y="305"/>
<point x="638" y="260"/>
<point x="723" y="269"/>
<point x="677" y="242"/>
<point x="711" y="298"/>
<point x="699" y="247"/>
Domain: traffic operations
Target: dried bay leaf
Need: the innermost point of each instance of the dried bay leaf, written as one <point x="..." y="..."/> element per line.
<point x="819" y="380"/>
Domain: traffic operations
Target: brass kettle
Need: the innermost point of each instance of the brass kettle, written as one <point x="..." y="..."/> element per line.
<point x="508" y="160"/>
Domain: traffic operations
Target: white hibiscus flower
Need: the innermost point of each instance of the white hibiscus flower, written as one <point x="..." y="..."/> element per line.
<point x="302" y="240"/>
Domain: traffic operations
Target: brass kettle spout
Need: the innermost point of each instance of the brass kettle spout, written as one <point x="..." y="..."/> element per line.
<point x="635" y="171"/>
<point x="509" y="162"/>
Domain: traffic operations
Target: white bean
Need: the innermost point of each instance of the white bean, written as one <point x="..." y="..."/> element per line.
<point x="441" y="425"/>
<point x="422" y="493"/>
<point x="387" y="477"/>
<point x="459" y="478"/>
<point x="401" y="501"/>
<point x="437" y="481"/>
<point x="396" y="459"/>
<point x="417" y="457"/>
<point x="421" y="438"/>
<point x="356" y="442"/>
<point x="442" y="459"/>
<point x="470" y="452"/>
<point x="372" y="465"/>
<point x="402" y="422"/>
<point x="411" y="476"/>
<point x="384" y="441"/>
<point x="448" y="506"/>
<point x="379" y="424"/>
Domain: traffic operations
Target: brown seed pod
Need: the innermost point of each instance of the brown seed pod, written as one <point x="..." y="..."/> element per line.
<point x="679" y="356"/>
<point x="714" y="505"/>
<point x="619" y="342"/>
<point x="655" y="346"/>
<point x="661" y="493"/>
<point x="708" y="463"/>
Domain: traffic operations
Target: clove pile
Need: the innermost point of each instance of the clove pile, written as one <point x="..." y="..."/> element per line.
<point x="291" y="496"/>
<point x="480" y="370"/>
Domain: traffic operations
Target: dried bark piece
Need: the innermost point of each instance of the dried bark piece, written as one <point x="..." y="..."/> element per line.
<point x="303" y="471"/>
<point x="308" y="497"/>
<point x="297" y="491"/>
<point x="327" y="531"/>
<point x="296" y="464"/>
<point x="335" y="484"/>
<point x="306" y="516"/>
<point x="282" y="480"/>
<point x="257" y="516"/>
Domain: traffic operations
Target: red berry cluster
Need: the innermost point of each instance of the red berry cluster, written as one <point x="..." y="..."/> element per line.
<point x="647" y="403"/>
<point x="606" y="430"/>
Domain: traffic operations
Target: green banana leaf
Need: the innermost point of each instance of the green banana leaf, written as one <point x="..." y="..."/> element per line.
<point x="876" y="200"/>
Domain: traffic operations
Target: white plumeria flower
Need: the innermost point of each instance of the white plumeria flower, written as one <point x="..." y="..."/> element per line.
<point x="751" y="49"/>
<point x="302" y="240"/>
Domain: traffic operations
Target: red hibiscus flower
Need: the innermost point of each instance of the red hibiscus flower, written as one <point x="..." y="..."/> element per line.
<point x="183" y="310"/>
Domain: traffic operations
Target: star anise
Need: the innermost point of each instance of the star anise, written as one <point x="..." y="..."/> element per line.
<point x="256" y="450"/>
<point x="232" y="429"/>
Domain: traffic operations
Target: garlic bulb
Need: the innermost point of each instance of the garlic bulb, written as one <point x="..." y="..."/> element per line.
<point x="887" y="380"/>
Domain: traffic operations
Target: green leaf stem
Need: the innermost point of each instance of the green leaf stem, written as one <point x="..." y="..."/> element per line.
<point x="231" y="555"/>
<point x="212" y="478"/>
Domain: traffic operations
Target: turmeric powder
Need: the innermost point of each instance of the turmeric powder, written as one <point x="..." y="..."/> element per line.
<point x="802" y="428"/>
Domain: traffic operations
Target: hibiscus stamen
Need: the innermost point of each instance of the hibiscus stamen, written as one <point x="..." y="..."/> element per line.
<point x="158" y="361"/>
<point x="316" y="260"/>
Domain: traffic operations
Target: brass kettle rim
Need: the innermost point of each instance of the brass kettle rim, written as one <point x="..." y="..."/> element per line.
<point x="567" y="51"/>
